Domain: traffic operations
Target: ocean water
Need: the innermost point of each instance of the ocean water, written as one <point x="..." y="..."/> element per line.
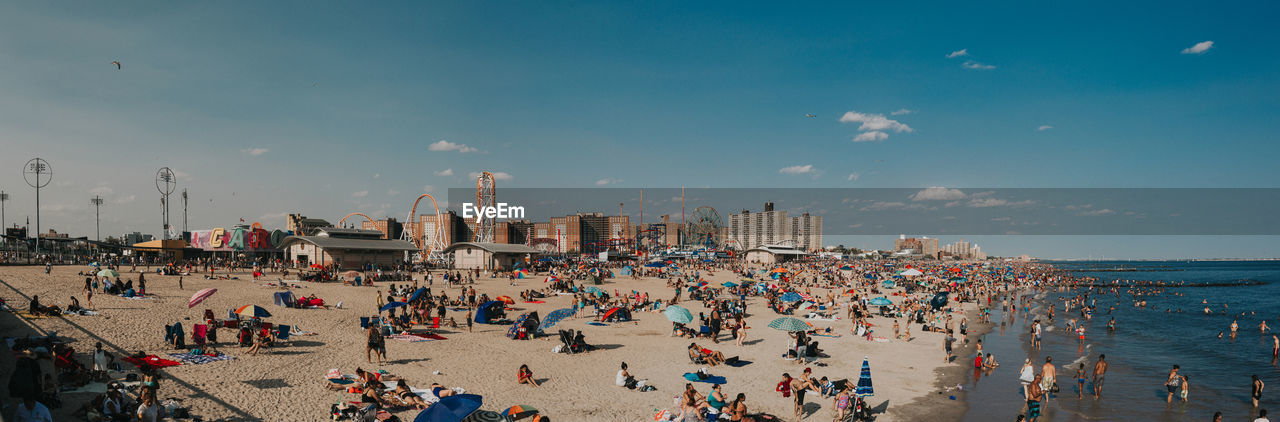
<point x="1147" y="342"/>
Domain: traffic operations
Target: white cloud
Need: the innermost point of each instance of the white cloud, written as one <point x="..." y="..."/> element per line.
<point x="360" y="194"/>
<point x="805" y="169"/>
<point x="872" y="136"/>
<point x="902" y="111"/>
<point x="497" y="175"/>
<point x="444" y="145"/>
<point x="881" y="205"/>
<point x="392" y="192"/>
<point x="1043" y="128"/>
<point x="255" y="151"/>
<point x="1096" y="213"/>
<point x="102" y="190"/>
<point x="970" y="64"/>
<point x="938" y="193"/>
<point x="428" y="188"/>
<point x="852" y="176"/>
<point x="1199" y="48"/>
<point x="446" y="172"/>
<point x="873" y="121"/>
<point x="995" y="202"/>
<point x="1001" y="219"/>
<point x="127" y="199"/>
<point x="608" y="181"/>
<point x="377" y="175"/>
<point x="958" y="53"/>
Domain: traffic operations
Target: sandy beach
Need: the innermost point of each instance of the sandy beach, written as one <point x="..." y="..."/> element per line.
<point x="288" y="383"/>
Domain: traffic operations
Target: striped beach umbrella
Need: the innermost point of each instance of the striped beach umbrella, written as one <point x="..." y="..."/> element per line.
<point x="789" y="324"/>
<point x="864" y="380"/>
<point x="254" y="311"/>
<point x="200" y="296"/>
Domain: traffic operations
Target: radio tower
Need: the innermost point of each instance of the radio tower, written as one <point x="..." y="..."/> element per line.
<point x="485" y="197"/>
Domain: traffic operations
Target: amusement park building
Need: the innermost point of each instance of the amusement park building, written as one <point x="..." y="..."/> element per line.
<point x="752" y="230"/>
<point x="488" y="255"/>
<point x="773" y="254"/>
<point x="302" y="226"/>
<point x="349" y="248"/>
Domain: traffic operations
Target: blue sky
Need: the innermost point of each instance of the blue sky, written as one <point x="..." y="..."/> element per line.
<point x="329" y="108"/>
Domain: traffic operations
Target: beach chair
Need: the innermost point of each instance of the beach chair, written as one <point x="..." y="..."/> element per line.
<point x="704" y="331"/>
<point x="282" y="333"/>
<point x="231" y="314"/>
<point x="198" y="333"/>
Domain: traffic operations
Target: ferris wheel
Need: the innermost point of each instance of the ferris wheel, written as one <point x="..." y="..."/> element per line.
<point x="703" y="228"/>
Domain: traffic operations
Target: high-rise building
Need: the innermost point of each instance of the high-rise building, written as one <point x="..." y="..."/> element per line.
<point x="774" y="228"/>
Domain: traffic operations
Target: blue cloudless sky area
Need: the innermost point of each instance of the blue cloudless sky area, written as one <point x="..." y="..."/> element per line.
<point x="326" y="108"/>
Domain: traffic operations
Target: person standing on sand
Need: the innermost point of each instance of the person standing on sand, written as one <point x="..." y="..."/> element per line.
<point x="799" y="386"/>
<point x="1099" y="373"/>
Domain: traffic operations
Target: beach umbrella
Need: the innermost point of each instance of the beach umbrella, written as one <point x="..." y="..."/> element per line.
<point x="417" y="294"/>
<point x="351" y="274"/>
<point x="108" y="273"/>
<point x="958" y="279"/>
<point x="888" y="284"/>
<point x="200" y="296"/>
<point x="678" y="314"/>
<point x="789" y="324"/>
<point x="779" y="270"/>
<point x="317" y="266"/>
<point x="729" y="284"/>
<point x="254" y="311"/>
<point x="450" y="409"/>
<point x="912" y="272"/>
<point x="93" y="264"/>
<point x="864" y="380"/>
<point x="505" y="299"/>
<point x="511" y="332"/>
<point x="554" y="318"/>
<point x="655" y="265"/>
<point x="520" y="411"/>
<point x="880" y="301"/>
<point x="939" y="300"/>
<point x="486" y="416"/>
<point x="791" y="297"/>
<point x="594" y="290"/>
<point x="551" y="279"/>
<point x="391" y="306"/>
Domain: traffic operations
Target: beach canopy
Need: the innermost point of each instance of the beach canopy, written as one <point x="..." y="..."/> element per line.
<point x="595" y="290"/>
<point x="487" y="311"/>
<point x="391" y="306"/>
<point x="779" y="270"/>
<point x="729" y="284"/>
<point x="451" y="409"/>
<point x="864" y="380"/>
<point x="284" y="298"/>
<point x="417" y="294"/>
<point x="200" y="296"/>
<point x="254" y="311"/>
<point x="880" y="301"/>
<point x="108" y="273"/>
<point x="655" y="265"/>
<point x="554" y="318"/>
<point x="618" y="314"/>
<point x="789" y="324"/>
<point x="912" y="272"/>
<point x="888" y="284"/>
<point x="678" y="314"/>
<point x="791" y="297"/>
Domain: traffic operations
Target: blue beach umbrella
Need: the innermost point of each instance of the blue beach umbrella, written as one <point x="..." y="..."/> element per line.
<point x="880" y="301"/>
<point x="655" y="265"/>
<point x="417" y="294"/>
<point x="791" y="297"/>
<point x="450" y="409"/>
<point x="511" y="332"/>
<point x="392" y="305"/>
<point x="554" y="318"/>
<point x="888" y="284"/>
<point x="729" y="284"/>
<point x="789" y="324"/>
<point x="678" y="314"/>
<point x="864" y="380"/>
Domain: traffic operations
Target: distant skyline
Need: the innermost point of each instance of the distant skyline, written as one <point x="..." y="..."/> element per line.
<point x="327" y="108"/>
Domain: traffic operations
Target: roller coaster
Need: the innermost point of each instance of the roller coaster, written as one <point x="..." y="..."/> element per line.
<point x="344" y="219"/>
<point x="431" y="246"/>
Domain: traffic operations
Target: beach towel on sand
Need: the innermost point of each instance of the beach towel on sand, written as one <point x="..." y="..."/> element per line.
<point x="152" y="361"/>
<point x="191" y="359"/>
<point x="715" y="379"/>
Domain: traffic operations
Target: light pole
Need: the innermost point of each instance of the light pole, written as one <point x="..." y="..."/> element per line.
<point x="3" y="197"/>
<point x="37" y="173"/>
<point x="165" y="182"/>
<point x="97" y="202"/>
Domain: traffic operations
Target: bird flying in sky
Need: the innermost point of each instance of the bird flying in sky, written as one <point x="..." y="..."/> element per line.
<point x="117" y="63"/>
<point x="810" y="115"/>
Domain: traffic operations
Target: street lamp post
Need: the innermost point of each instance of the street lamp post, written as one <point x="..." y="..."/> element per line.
<point x="97" y="202"/>
<point x="165" y="182"/>
<point x="3" y="197"/>
<point x="37" y="173"/>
